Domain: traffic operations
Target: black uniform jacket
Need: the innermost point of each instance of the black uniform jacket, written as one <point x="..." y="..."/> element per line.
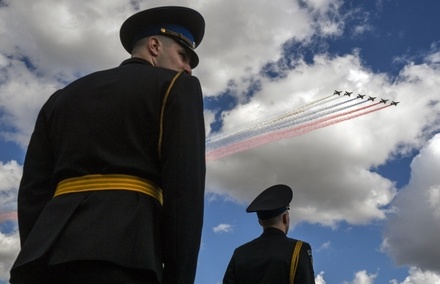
<point x="108" y="123"/>
<point x="267" y="259"/>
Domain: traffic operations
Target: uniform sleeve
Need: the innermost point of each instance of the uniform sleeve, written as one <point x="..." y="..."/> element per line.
<point x="304" y="272"/>
<point x="36" y="189"/>
<point x="183" y="179"/>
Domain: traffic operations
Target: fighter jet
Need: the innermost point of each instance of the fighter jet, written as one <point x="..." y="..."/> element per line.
<point x="360" y="96"/>
<point x="383" y="101"/>
<point x="371" y="98"/>
<point x="337" y="93"/>
<point x="394" y="103"/>
<point x="348" y="93"/>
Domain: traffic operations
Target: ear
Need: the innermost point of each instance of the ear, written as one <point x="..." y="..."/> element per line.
<point x="285" y="219"/>
<point x="154" y="45"/>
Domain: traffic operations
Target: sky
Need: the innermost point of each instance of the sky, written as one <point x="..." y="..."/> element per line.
<point x="366" y="188"/>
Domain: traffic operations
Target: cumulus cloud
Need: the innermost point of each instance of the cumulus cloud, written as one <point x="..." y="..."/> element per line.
<point x="360" y="277"/>
<point x="363" y="277"/>
<point x="22" y="93"/>
<point x="248" y="42"/>
<point x="332" y="177"/>
<point x="64" y="36"/>
<point x="10" y="175"/>
<point x="417" y="276"/>
<point x="319" y="279"/>
<point x="9" y="247"/>
<point x="223" y="228"/>
<point x="411" y="235"/>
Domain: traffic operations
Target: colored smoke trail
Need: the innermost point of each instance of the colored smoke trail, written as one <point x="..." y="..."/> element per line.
<point x="8" y="216"/>
<point x="213" y="142"/>
<point x="218" y="141"/>
<point x="315" y="115"/>
<point x="302" y="109"/>
<point x="276" y="124"/>
<point x="278" y="134"/>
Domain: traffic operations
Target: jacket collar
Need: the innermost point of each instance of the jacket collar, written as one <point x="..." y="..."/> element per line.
<point x="273" y="231"/>
<point x="136" y="60"/>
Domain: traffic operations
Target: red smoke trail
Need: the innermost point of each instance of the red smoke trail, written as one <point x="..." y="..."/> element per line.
<point x="219" y="138"/>
<point x="328" y="122"/>
<point x="283" y="134"/>
<point x="314" y="115"/>
<point x="8" y="216"/>
<point x="281" y="122"/>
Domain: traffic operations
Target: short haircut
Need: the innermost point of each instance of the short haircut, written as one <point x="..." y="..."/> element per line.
<point x="165" y="40"/>
<point x="272" y="221"/>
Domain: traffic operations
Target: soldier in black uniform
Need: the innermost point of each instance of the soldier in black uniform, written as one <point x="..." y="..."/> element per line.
<point x="272" y="257"/>
<point x="113" y="181"/>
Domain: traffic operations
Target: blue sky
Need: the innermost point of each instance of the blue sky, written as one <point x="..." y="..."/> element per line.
<point x="366" y="190"/>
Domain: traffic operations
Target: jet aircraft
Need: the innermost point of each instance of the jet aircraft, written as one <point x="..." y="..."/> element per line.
<point x="348" y="93"/>
<point x="371" y="98"/>
<point x="383" y="101"/>
<point x="394" y="103"/>
<point x="337" y="93"/>
<point x="360" y="96"/>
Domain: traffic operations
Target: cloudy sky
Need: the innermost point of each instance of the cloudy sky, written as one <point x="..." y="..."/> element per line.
<point x="366" y="190"/>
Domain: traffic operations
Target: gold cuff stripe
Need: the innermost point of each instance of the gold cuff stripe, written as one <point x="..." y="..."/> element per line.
<point x="295" y="260"/>
<point x="162" y="111"/>
<point x="109" y="182"/>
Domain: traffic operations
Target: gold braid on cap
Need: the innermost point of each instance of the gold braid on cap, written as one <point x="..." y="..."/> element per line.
<point x="180" y="36"/>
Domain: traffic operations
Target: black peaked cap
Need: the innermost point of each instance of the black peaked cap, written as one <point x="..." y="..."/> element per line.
<point x="273" y="199"/>
<point x="182" y="16"/>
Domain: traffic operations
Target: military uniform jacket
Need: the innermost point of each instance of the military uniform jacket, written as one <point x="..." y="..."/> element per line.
<point x="108" y="122"/>
<point x="267" y="259"/>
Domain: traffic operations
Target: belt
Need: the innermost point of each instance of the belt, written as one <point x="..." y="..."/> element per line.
<point x="109" y="182"/>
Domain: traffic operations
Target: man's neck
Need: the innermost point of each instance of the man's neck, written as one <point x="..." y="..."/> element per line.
<point x="280" y="227"/>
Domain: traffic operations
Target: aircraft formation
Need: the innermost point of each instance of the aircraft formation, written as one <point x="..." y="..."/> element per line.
<point x="322" y="112"/>
<point x="346" y="93"/>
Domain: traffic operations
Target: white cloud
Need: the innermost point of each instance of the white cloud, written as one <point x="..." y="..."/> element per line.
<point x="362" y="277"/>
<point x="223" y="228"/>
<point x="9" y="247"/>
<point x="22" y="93"/>
<point x="331" y="177"/>
<point x="411" y="235"/>
<point x="324" y="246"/>
<point x="66" y="35"/>
<point x="434" y="57"/>
<point x="10" y="175"/>
<point x="247" y="42"/>
<point x="319" y="279"/>
<point x="417" y="276"/>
